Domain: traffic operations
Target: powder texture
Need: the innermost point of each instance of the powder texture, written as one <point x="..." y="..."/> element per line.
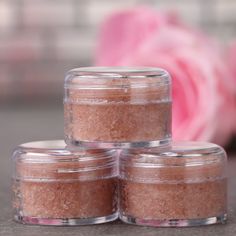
<point x="73" y="199"/>
<point x="172" y="187"/>
<point x="163" y="201"/>
<point x="77" y="185"/>
<point x="118" y="114"/>
<point x="118" y="122"/>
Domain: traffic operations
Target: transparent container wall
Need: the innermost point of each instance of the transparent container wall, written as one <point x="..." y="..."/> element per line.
<point x="58" y="187"/>
<point x="117" y="107"/>
<point x="186" y="186"/>
<point x="65" y="202"/>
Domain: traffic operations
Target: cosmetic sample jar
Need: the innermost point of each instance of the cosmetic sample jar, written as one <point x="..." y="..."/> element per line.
<point x="186" y="186"/>
<point x="54" y="186"/>
<point x="117" y="107"/>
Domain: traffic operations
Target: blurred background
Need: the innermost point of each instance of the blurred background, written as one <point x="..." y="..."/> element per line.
<point x="41" y="39"/>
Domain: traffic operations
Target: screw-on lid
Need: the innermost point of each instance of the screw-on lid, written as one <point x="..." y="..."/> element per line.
<point x="116" y="77"/>
<point x="51" y="160"/>
<point x="185" y="161"/>
<point x="117" y="84"/>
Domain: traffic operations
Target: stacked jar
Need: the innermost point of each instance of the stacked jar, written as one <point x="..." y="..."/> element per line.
<point x="117" y="107"/>
<point x="118" y="137"/>
<point x="53" y="185"/>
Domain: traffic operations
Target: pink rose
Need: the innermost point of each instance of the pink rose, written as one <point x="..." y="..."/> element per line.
<point x="120" y="26"/>
<point x="203" y="99"/>
<point x="231" y="54"/>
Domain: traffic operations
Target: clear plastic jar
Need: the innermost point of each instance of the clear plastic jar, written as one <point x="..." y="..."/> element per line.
<point x="186" y="186"/>
<point x="117" y="107"/>
<point x="54" y="186"/>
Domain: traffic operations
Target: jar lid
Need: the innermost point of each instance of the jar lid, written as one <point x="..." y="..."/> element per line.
<point x="51" y="160"/>
<point x="116" y="77"/>
<point x="185" y="161"/>
<point x="102" y="85"/>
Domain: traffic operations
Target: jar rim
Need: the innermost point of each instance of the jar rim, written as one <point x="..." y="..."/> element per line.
<point x="50" y="161"/>
<point x="116" y="77"/>
<point x="52" y="151"/>
<point x="119" y="70"/>
<point x="182" y="153"/>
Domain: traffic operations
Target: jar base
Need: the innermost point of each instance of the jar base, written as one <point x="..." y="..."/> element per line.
<point x="175" y="222"/>
<point x="125" y="145"/>
<point x="65" y="221"/>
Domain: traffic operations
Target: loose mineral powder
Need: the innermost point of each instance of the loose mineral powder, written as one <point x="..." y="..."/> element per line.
<point x="55" y="186"/>
<point x="185" y="186"/>
<point x="117" y="107"/>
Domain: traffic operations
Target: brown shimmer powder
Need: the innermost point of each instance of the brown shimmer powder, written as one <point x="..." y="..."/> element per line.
<point x="73" y="199"/>
<point x="173" y="201"/>
<point x="59" y="184"/>
<point x="126" y="109"/>
<point x="181" y="185"/>
<point x="118" y="122"/>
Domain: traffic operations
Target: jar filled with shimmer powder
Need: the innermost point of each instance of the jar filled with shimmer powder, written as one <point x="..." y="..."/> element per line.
<point x="55" y="186"/>
<point x="186" y="186"/>
<point x="117" y="107"/>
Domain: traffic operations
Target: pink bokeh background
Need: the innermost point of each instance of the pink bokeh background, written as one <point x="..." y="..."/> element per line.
<point x="203" y="72"/>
